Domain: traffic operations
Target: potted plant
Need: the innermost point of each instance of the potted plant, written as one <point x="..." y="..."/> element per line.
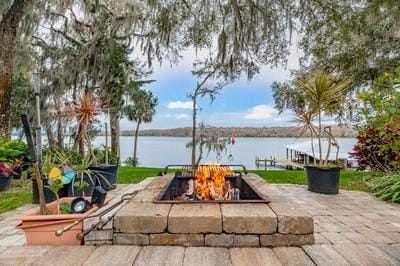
<point x="310" y="97"/>
<point x="52" y="159"/>
<point x="40" y="224"/>
<point x="85" y="113"/>
<point x="40" y="229"/>
<point x="322" y="94"/>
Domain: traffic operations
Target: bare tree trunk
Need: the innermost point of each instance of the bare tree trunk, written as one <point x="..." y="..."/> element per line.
<point x="136" y="138"/>
<point x="114" y="125"/>
<point x="60" y="136"/>
<point x="319" y="138"/>
<point x="312" y="144"/>
<point x="329" y="145"/>
<point x="8" y="33"/>
<point x="201" y="143"/>
<point x="194" y="130"/>
<point x="49" y="133"/>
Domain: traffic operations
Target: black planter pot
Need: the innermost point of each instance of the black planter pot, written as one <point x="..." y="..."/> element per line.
<point x="109" y="172"/>
<point x="323" y="180"/>
<point x="48" y="194"/>
<point x="17" y="173"/>
<point x="75" y="192"/>
<point x="5" y="182"/>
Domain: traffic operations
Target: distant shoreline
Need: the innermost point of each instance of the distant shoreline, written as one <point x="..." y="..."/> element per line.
<point x="250" y="132"/>
<point x="262" y="137"/>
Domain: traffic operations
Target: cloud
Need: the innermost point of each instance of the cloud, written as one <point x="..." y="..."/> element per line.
<point x="180" y="105"/>
<point x="182" y="116"/>
<point x="260" y="112"/>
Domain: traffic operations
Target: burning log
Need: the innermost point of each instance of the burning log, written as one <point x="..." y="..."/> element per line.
<point x="209" y="184"/>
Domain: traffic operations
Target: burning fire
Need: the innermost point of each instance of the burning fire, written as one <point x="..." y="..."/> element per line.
<point x="209" y="183"/>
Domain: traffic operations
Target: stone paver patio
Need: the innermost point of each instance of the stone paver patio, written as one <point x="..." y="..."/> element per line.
<point x="352" y="228"/>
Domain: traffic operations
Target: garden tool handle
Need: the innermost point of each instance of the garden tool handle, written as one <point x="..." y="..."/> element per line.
<point x="60" y="232"/>
<point x="29" y="139"/>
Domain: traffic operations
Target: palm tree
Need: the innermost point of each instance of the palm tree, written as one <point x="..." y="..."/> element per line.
<point x="141" y="111"/>
<point x="324" y="93"/>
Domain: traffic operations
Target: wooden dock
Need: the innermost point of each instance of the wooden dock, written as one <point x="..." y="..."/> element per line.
<point x="265" y="162"/>
<point x="291" y="165"/>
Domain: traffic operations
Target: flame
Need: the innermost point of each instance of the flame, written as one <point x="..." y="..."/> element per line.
<point x="210" y="180"/>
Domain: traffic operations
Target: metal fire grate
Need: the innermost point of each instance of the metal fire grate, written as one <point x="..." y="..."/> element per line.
<point x="178" y="186"/>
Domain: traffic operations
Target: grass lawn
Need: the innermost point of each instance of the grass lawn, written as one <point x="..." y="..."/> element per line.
<point x="18" y="195"/>
<point x="350" y="180"/>
<point x="20" y="192"/>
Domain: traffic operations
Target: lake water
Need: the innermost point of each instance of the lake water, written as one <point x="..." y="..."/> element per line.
<point x="161" y="151"/>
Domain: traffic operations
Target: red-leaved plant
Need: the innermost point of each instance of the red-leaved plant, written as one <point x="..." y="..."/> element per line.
<point x="5" y="170"/>
<point x="378" y="149"/>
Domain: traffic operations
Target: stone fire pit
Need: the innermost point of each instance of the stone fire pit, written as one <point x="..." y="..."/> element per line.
<point x="278" y="223"/>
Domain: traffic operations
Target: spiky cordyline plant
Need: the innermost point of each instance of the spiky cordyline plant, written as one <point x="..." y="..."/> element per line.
<point x="304" y="118"/>
<point x="85" y="113"/>
<point x="324" y="93"/>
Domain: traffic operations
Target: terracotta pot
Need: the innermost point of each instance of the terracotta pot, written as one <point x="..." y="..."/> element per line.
<point x="40" y="229"/>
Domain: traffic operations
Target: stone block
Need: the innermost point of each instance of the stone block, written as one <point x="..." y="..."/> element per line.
<point x="142" y="217"/>
<point x="219" y="240"/>
<point x="146" y="195"/>
<point x="113" y="255"/>
<point x="364" y="254"/>
<point x="153" y="255"/>
<point x="293" y="256"/>
<point x="206" y="256"/>
<point x="248" y="218"/>
<point x="99" y="235"/>
<point x="66" y="255"/>
<point x="98" y="242"/>
<point x="295" y="225"/>
<point x="131" y="239"/>
<point x="88" y="222"/>
<point x="195" y="218"/>
<point x="159" y="182"/>
<point x="253" y="256"/>
<point x="283" y="240"/>
<point x="186" y="240"/>
<point x="325" y="255"/>
<point x="246" y="241"/>
<point x="23" y="255"/>
<point x="292" y="219"/>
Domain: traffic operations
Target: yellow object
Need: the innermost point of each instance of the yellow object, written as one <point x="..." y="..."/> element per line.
<point x="55" y="173"/>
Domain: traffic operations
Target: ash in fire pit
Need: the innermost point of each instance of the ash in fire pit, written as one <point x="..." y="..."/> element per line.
<point x="210" y="184"/>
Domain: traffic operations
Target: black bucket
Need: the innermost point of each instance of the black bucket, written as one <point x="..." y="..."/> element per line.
<point x="323" y="180"/>
<point x="109" y="172"/>
<point x="48" y="194"/>
<point x="5" y="182"/>
<point x="17" y="173"/>
<point x="75" y="192"/>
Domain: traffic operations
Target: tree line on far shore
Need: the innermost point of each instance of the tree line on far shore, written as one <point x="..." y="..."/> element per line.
<point x="282" y="132"/>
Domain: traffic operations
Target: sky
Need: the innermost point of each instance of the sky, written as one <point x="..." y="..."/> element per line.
<point x="240" y="104"/>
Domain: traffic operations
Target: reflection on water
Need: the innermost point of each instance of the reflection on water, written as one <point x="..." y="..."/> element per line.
<point x="161" y="151"/>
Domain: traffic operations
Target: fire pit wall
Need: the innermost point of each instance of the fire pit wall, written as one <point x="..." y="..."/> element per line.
<point x="278" y="223"/>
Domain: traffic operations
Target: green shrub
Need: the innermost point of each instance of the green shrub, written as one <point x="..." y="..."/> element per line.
<point x="387" y="187"/>
<point x="100" y="156"/>
<point x="133" y="162"/>
<point x="11" y="150"/>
